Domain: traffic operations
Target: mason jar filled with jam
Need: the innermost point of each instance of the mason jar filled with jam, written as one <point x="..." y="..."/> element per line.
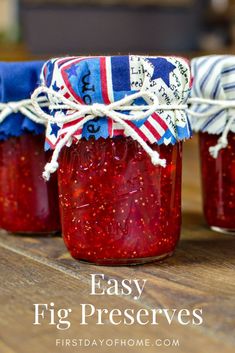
<point x="121" y="122"/>
<point x="213" y="116"/>
<point x="27" y="204"/>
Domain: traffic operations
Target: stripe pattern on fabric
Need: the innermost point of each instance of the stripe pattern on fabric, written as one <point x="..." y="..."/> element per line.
<point x="213" y="78"/>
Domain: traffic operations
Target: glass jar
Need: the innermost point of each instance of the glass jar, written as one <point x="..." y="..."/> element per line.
<point x="121" y="120"/>
<point x="116" y="206"/>
<point x="27" y="203"/>
<point x="218" y="182"/>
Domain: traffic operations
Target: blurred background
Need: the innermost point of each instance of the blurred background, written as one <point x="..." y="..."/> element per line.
<point x="42" y="28"/>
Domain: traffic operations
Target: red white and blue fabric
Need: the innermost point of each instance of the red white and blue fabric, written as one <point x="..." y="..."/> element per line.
<point x="90" y="80"/>
<point x="213" y="78"/>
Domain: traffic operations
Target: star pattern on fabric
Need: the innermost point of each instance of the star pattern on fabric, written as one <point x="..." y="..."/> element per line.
<point x="54" y="129"/>
<point x="167" y="141"/>
<point x="72" y="71"/>
<point x="55" y="87"/>
<point x="162" y="69"/>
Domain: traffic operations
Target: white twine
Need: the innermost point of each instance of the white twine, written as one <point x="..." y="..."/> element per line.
<point x="216" y="105"/>
<point x="24" y="107"/>
<point x="89" y="112"/>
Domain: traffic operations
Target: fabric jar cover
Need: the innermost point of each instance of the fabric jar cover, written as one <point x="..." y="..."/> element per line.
<point x="104" y="80"/>
<point x="17" y="82"/>
<point x="213" y="79"/>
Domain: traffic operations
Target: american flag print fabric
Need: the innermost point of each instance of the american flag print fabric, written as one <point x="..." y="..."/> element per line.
<point x="213" y="78"/>
<point x="89" y="80"/>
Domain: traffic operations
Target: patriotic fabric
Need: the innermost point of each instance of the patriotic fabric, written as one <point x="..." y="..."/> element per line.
<point x="104" y="80"/>
<point x="17" y="82"/>
<point x="213" y="78"/>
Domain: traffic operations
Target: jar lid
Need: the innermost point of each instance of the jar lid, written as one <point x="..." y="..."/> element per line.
<point x="130" y="81"/>
<point x="141" y="97"/>
<point x="213" y="94"/>
<point x="17" y="82"/>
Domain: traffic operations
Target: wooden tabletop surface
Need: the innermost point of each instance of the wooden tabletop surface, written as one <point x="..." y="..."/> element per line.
<point x="199" y="275"/>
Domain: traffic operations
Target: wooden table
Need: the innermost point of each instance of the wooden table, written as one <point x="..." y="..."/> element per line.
<point x="199" y="275"/>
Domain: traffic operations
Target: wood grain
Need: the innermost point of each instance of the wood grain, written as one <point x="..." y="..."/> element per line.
<point x="199" y="275"/>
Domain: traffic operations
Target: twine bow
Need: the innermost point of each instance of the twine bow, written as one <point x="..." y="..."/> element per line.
<point x="24" y="107"/>
<point x="89" y="112"/>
